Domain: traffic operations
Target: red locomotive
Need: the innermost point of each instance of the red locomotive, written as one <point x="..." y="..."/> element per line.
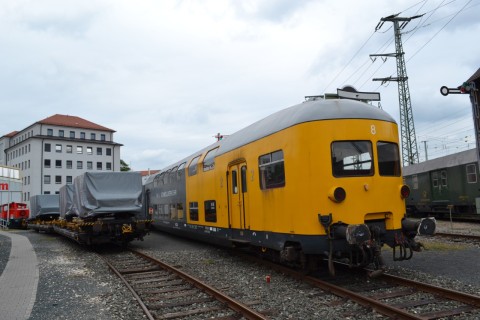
<point x="15" y="214"/>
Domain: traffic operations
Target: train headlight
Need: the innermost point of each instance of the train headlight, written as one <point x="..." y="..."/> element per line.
<point x="404" y="191"/>
<point x="337" y="194"/>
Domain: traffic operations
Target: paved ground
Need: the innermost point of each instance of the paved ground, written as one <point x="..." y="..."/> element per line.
<point x="19" y="279"/>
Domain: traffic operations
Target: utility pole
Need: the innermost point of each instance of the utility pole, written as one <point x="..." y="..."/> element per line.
<point x="426" y="154"/>
<point x="408" y="138"/>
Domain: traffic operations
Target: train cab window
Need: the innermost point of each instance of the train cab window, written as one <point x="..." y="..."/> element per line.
<point x="209" y="161"/>
<point x="210" y="211"/>
<point x="352" y="158"/>
<point x="192" y="168"/>
<point x="181" y="171"/>
<point x="193" y="210"/>
<point x="388" y="159"/>
<point x="157" y="179"/>
<point x="471" y="173"/>
<point x="271" y="170"/>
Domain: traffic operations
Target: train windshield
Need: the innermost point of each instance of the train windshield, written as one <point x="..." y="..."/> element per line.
<point x="352" y="158"/>
<point x="388" y="159"/>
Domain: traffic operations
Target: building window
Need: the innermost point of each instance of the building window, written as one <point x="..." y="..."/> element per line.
<point x="58" y="179"/>
<point x="46" y="192"/>
<point x="47" y="163"/>
<point x="271" y="170"/>
<point x="58" y="148"/>
<point x="69" y="149"/>
<point x="471" y="173"/>
<point x="102" y="137"/>
<point x="58" y="163"/>
<point x="92" y="136"/>
<point x="99" y="151"/>
<point x="49" y="132"/>
<point x="61" y="133"/>
<point x="69" y="164"/>
<point x="108" y="166"/>
<point x="79" y="149"/>
<point x="99" y="166"/>
<point x="82" y="135"/>
<point x="72" y="134"/>
<point x="108" y="151"/>
<point x="89" y="165"/>
<point x="46" y="179"/>
<point x="47" y="147"/>
<point x="89" y="150"/>
<point x="69" y="179"/>
<point x="79" y="165"/>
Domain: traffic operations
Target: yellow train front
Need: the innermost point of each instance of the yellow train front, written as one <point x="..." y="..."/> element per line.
<point x="319" y="179"/>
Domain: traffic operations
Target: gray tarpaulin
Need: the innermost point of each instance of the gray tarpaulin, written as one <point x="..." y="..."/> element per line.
<point x="99" y="193"/>
<point x="44" y="204"/>
<point x="66" y="201"/>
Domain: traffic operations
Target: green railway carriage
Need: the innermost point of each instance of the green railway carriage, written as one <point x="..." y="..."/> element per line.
<point x="322" y="178"/>
<point x="444" y="184"/>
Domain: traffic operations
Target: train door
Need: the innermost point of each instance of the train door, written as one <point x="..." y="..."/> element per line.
<point x="439" y="185"/>
<point x="238" y="196"/>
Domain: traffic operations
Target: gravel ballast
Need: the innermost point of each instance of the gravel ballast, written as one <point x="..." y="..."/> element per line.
<point x="76" y="284"/>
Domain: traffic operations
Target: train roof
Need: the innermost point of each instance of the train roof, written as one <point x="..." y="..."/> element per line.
<point x="452" y="160"/>
<point x="308" y="111"/>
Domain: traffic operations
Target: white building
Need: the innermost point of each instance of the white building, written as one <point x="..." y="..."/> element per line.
<point x="53" y="151"/>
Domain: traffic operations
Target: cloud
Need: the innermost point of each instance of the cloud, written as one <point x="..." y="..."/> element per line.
<point x="169" y="75"/>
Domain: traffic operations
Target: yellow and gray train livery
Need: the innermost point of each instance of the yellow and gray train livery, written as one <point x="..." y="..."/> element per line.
<point x="321" y="179"/>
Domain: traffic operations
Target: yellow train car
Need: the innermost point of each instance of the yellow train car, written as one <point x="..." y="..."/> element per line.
<point x="319" y="179"/>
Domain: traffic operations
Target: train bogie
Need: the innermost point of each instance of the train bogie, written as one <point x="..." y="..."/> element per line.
<point x="320" y="177"/>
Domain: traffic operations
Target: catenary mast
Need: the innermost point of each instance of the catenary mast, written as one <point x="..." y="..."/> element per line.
<point x="408" y="137"/>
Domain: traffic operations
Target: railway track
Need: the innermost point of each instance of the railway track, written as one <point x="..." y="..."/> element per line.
<point x="392" y="296"/>
<point x="469" y="237"/>
<point x="165" y="292"/>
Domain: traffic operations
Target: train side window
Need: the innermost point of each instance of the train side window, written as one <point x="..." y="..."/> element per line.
<point x="443" y="176"/>
<point x="471" y="173"/>
<point x="209" y="161"/>
<point x="415" y="182"/>
<point x="172" y="177"/>
<point x="244" y="179"/>
<point x="165" y="177"/>
<point x="210" y="211"/>
<point x="435" y="179"/>
<point x="192" y="168"/>
<point x="181" y="171"/>
<point x="193" y="210"/>
<point x="271" y="170"/>
<point x="352" y="158"/>
<point x="388" y="159"/>
<point x="234" y="182"/>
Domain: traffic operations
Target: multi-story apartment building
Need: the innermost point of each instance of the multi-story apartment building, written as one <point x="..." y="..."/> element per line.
<point x="53" y="151"/>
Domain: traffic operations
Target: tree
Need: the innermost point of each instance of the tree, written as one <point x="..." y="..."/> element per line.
<point x="124" y="166"/>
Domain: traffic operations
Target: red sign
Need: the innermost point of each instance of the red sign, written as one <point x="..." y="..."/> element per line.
<point x="3" y="186"/>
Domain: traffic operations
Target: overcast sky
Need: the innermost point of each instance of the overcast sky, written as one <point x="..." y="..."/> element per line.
<point x="168" y="76"/>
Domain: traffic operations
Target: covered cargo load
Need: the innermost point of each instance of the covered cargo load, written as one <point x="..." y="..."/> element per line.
<point x="44" y="205"/>
<point x="97" y="194"/>
<point x="67" y="208"/>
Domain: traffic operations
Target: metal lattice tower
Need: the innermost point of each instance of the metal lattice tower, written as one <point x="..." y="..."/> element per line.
<point x="408" y="137"/>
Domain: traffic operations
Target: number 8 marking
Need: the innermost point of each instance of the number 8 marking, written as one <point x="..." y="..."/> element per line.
<point x="372" y="129"/>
